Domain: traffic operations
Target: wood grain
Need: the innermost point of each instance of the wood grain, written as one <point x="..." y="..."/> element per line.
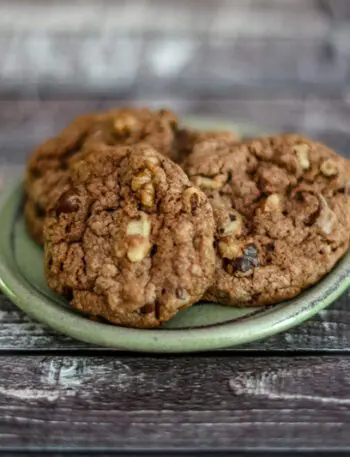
<point x="114" y="47"/>
<point x="282" y="65"/>
<point x="170" y="402"/>
<point x="303" y="18"/>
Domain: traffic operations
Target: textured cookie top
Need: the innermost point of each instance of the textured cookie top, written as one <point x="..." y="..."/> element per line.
<point x="282" y="210"/>
<point x="187" y="139"/>
<point x="48" y="166"/>
<point x="130" y="239"/>
<point x="114" y="127"/>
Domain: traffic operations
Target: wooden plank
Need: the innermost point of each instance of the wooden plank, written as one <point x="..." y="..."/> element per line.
<point x="328" y="331"/>
<point x="89" y="63"/>
<point x="175" y="402"/>
<point x="291" y="18"/>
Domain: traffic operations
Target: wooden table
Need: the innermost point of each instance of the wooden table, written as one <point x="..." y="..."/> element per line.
<point x="290" y="392"/>
<point x="280" y="64"/>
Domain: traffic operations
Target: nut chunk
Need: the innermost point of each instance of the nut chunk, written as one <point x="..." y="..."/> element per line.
<point x="130" y="239"/>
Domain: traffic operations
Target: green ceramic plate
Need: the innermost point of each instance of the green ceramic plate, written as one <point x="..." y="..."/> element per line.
<point x="205" y="326"/>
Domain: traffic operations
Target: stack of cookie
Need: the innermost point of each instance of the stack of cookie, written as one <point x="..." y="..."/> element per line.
<point x="141" y="218"/>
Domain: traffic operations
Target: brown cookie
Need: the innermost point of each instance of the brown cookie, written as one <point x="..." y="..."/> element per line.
<point x="48" y="167"/>
<point x="282" y="211"/>
<point x="188" y="138"/>
<point x="130" y="239"/>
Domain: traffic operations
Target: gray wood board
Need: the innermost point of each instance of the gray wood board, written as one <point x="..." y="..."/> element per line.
<point x="172" y="402"/>
<point x="120" y="46"/>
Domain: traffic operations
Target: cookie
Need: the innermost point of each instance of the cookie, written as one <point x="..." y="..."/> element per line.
<point x="130" y="239"/>
<point x="48" y="167"/>
<point x="282" y="211"/>
<point x="187" y="139"/>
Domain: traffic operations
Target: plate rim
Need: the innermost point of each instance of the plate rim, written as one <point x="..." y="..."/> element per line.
<point x="220" y="336"/>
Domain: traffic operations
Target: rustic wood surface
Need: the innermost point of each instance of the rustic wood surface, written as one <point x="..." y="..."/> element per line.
<point x="281" y="64"/>
<point x="174" y="402"/>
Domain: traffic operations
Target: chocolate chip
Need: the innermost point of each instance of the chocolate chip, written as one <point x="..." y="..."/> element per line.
<point x="243" y="264"/>
<point x="233" y="217"/>
<point x="251" y="250"/>
<point x="147" y="309"/>
<point x="181" y="293"/>
<point x="229" y="176"/>
<point x="68" y="203"/>
<point x="154" y="250"/>
<point x="255" y="262"/>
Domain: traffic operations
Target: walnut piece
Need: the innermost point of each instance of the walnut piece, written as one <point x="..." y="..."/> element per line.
<point x="196" y="270"/>
<point x="302" y="152"/>
<point x="273" y="203"/>
<point x="140" y="179"/>
<point x="327" y="218"/>
<point x="229" y="248"/>
<point x="234" y="227"/>
<point x="147" y="194"/>
<point x="142" y="184"/>
<point x="182" y="294"/>
<point x="124" y="124"/>
<point x="152" y="160"/>
<point x="191" y="199"/>
<point x="138" y="248"/>
<point x="208" y="183"/>
<point x="138" y="232"/>
<point x="329" y="168"/>
<point x="140" y="226"/>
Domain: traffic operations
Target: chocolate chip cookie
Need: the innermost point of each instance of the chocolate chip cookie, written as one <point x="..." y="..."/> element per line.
<point x="130" y="239"/>
<point x="187" y="139"/>
<point x="282" y="211"/>
<point x="48" y="167"/>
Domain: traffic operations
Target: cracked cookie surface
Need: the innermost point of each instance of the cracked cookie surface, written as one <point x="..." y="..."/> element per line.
<point x="187" y="138"/>
<point x="282" y="211"/>
<point x="48" y="166"/>
<point x="130" y="238"/>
